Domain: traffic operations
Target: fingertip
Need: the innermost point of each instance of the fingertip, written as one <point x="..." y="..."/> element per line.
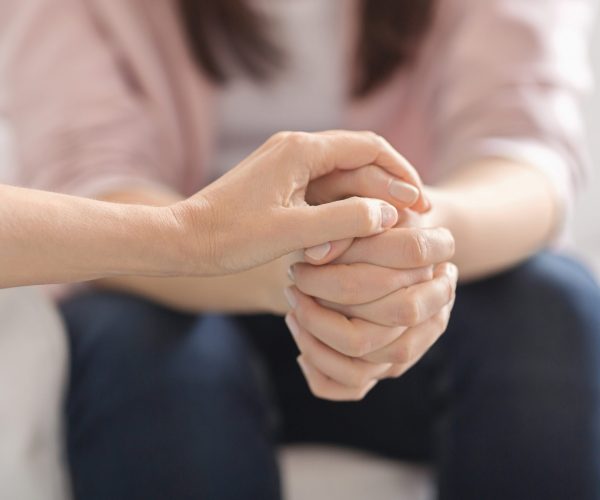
<point x="319" y="252"/>
<point x="337" y="248"/>
<point x="422" y="205"/>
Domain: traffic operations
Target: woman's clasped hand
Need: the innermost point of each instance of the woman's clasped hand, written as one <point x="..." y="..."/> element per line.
<point x="373" y="290"/>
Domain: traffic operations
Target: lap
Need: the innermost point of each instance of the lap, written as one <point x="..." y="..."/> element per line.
<point x="520" y="347"/>
<point x="511" y="337"/>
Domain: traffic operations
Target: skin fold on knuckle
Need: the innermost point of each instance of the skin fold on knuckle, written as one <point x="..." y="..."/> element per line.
<point x="450" y="243"/>
<point x="402" y="353"/>
<point x="356" y="345"/>
<point x="365" y="220"/>
<point x="418" y="248"/>
<point x="408" y="312"/>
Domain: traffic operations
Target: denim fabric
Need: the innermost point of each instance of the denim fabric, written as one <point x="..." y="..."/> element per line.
<point x="505" y="406"/>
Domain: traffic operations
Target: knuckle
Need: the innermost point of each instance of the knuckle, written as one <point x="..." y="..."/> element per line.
<point x="279" y="136"/>
<point x="357" y="345"/>
<point x="402" y="353"/>
<point x="296" y="140"/>
<point x="409" y="313"/>
<point x="376" y="138"/>
<point x="448" y="239"/>
<point x="418" y="248"/>
<point x="440" y="323"/>
<point x="349" y="289"/>
<point x="364" y="218"/>
<point x="447" y="289"/>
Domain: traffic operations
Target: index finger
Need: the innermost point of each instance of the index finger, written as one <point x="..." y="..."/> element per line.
<point x="402" y="248"/>
<point x="347" y="150"/>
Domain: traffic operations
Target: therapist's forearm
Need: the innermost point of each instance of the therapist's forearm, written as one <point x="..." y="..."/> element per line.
<point x="53" y="238"/>
<point x="258" y="290"/>
<point x="499" y="212"/>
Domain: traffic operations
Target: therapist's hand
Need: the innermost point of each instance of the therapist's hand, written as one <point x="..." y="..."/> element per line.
<point x="260" y="210"/>
<point x="373" y="312"/>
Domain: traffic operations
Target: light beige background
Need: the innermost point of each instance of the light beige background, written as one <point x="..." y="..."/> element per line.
<point x="587" y="221"/>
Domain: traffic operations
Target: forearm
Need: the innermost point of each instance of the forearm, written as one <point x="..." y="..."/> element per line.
<point x="499" y="213"/>
<point x="52" y="238"/>
<point x="253" y="291"/>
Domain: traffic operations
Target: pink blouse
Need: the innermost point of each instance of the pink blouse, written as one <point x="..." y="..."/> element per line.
<point x="104" y="94"/>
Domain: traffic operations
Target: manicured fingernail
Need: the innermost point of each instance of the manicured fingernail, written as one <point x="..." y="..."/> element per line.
<point x="290" y="297"/>
<point x="292" y="324"/>
<point x="319" y="252"/>
<point x="389" y="216"/>
<point x="290" y="273"/>
<point x="404" y="192"/>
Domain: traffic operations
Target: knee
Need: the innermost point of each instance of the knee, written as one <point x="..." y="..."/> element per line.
<point x="126" y="348"/>
<point x="544" y="313"/>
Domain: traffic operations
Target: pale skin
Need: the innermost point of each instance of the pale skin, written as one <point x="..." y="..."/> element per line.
<point x="255" y="214"/>
<point x="355" y="323"/>
<point x="368" y="309"/>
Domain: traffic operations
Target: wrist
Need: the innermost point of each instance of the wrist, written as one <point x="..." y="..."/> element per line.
<point x="448" y="211"/>
<point x="191" y="237"/>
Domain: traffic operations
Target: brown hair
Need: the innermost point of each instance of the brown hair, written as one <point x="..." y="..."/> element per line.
<point x="389" y="37"/>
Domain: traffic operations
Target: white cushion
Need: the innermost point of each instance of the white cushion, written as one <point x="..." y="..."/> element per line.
<point x="32" y="381"/>
<point x="328" y="473"/>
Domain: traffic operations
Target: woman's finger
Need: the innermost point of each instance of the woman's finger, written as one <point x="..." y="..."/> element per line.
<point x="402" y="248"/>
<point x="350" y="284"/>
<point x="350" y="372"/>
<point x="325" y="253"/>
<point x="306" y="226"/>
<point x="410" y="347"/>
<point x="369" y="182"/>
<point x="352" y="337"/>
<point x="325" y="388"/>
<point x="408" y="306"/>
<point x="346" y="148"/>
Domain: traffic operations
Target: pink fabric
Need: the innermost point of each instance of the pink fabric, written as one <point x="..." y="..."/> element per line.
<point x="104" y="94"/>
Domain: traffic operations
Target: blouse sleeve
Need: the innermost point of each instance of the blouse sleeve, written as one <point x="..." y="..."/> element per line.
<point x="78" y="125"/>
<point x="511" y="81"/>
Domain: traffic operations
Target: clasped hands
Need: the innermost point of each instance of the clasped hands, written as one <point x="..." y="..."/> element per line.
<point x="366" y="309"/>
<point x="373" y="312"/>
<point x="375" y="288"/>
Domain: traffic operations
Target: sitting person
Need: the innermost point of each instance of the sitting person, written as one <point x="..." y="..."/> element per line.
<point x="146" y="102"/>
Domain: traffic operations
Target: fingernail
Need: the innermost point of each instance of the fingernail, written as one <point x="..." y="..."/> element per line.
<point x="389" y="216"/>
<point x="319" y="252"/>
<point x="290" y="297"/>
<point x="292" y="324"/>
<point x="290" y="273"/>
<point x="404" y="192"/>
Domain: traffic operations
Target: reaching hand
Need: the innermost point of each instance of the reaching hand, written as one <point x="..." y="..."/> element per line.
<point x="260" y="210"/>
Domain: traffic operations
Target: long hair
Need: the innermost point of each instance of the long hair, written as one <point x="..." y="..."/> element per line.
<point x="390" y="35"/>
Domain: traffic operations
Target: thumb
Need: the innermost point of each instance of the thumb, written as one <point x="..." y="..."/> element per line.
<point x="327" y="252"/>
<point x="350" y="218"/>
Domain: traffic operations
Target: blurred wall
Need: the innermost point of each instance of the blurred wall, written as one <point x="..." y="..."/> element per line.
<point x="587" y="220"/>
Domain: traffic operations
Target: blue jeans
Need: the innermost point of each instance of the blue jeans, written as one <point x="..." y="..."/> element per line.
<point x="506" y="405"/>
